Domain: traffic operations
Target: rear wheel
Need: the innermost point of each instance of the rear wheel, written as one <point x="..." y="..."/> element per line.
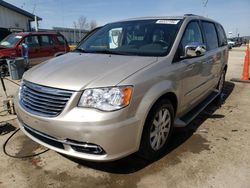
<point x="157" y="130"/>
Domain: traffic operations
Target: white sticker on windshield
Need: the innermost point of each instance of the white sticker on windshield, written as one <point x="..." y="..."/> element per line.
<point x="18" y="37"/>
<point x="167" y="21"/>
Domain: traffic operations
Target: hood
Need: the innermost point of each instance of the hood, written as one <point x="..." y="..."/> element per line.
<point x="8" y="52"/>
<point x="76" y="71"/>
<point x="2" y="48"/>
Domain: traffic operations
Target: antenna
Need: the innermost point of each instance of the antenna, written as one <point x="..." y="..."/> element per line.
<point x="204" y="3"/>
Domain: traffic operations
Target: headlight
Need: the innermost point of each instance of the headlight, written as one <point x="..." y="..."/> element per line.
<point x="106" y="99"/>
<point x="20" y="89"/>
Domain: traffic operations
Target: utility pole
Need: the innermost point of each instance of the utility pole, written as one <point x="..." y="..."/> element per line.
<point x="36" y="21"/>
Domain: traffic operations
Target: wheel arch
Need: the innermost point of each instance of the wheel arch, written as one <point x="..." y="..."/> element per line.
<point x="171" y="96"/>
<point x="162" y="90"/>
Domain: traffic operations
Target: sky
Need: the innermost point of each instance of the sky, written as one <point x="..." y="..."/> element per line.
<point x="234" y="15"/>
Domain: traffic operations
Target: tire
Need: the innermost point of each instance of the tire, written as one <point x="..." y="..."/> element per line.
<point x="157" y="130"/>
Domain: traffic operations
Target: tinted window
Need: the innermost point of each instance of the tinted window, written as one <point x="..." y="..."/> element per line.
<point x="211" y="35"/>
<point x="192" y="35"/>
<point x="46" y="40"/>
<point x="31" y="41"/>
<point x="221" y="35"/>
<point x="61" y="40"/>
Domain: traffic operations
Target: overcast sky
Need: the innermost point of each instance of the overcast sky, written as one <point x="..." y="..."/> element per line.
<point x="234" y="15"/>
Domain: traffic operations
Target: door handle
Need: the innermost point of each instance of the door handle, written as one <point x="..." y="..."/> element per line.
<point x="190" y="67"/>
<point x="208" y="61"/>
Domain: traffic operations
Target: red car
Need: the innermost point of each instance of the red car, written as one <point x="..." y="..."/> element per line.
<point x="41" y="46"/>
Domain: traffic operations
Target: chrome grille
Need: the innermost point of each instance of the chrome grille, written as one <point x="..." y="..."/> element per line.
<point x="43" y="101"/>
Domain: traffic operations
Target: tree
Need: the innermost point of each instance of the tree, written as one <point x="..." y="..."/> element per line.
<point x="92" y="24"/>
<point x="75" y="27"/>
<point x="82" y="22"/>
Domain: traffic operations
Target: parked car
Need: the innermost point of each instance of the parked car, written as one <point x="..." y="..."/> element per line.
<point x="231" y="44"/>
<point x="3" y="33"/>
<point x="237" y="41"/>
<point x="41" y="46"/>
<point x="125" y="87"/>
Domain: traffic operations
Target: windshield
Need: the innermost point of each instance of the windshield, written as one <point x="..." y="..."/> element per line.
<point x="10" y="40"/>
<point x="144" y="37"/>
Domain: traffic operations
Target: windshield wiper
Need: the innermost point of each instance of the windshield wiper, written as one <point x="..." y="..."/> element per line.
<point x="79" y="50"/>
<point x="108" y="52"/>
<point x="101" y="51"/>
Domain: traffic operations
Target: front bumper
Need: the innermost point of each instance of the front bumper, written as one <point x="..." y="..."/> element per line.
<point x="117" y="135"/>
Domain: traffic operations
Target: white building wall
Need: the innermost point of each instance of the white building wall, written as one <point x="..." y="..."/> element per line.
<point x="12" y="19"/>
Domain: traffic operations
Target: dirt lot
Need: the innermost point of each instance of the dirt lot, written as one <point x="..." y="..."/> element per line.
<point x="213" y="151"/>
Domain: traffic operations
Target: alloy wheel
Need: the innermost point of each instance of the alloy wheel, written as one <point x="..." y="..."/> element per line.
<point x="160" y="128"/>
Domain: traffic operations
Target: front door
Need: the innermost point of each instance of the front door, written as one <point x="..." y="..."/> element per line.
<point x="33" y="48"/>
<point x="194" y="75"/>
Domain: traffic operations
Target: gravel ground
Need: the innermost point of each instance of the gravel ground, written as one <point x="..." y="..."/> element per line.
<point x="213" y="151"/>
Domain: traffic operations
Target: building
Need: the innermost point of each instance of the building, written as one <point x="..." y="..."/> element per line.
<point x="12" y="17"/>
<point x="73" y="35"/>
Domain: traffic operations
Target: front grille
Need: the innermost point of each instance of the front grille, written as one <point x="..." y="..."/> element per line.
<point x="43" y="101"/>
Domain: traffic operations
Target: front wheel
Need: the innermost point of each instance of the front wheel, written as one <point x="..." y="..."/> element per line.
<point x="157" y="130"/>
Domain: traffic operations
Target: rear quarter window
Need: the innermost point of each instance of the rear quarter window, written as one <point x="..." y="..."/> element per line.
<point x="210" y="35"/>
<point x="60" y="39"/>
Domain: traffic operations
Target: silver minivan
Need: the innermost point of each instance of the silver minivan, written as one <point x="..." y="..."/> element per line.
<point x="125" y="87"/>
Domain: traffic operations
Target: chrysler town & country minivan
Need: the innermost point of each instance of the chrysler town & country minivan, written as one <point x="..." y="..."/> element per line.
<point x="125" y="87"/>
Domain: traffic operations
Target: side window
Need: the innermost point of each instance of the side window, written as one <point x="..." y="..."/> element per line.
<point x="31" y="41"/>
<point x="192" y="34"/>
<point x="221" y="35"/>
<point x="210" y="35"/>
<point x="46" y="40"/>
<point x="101" y="42"/>
<point x="60" y="40"/>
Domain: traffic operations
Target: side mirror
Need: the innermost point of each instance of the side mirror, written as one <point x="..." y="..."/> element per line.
<point x="195" y="50"/>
